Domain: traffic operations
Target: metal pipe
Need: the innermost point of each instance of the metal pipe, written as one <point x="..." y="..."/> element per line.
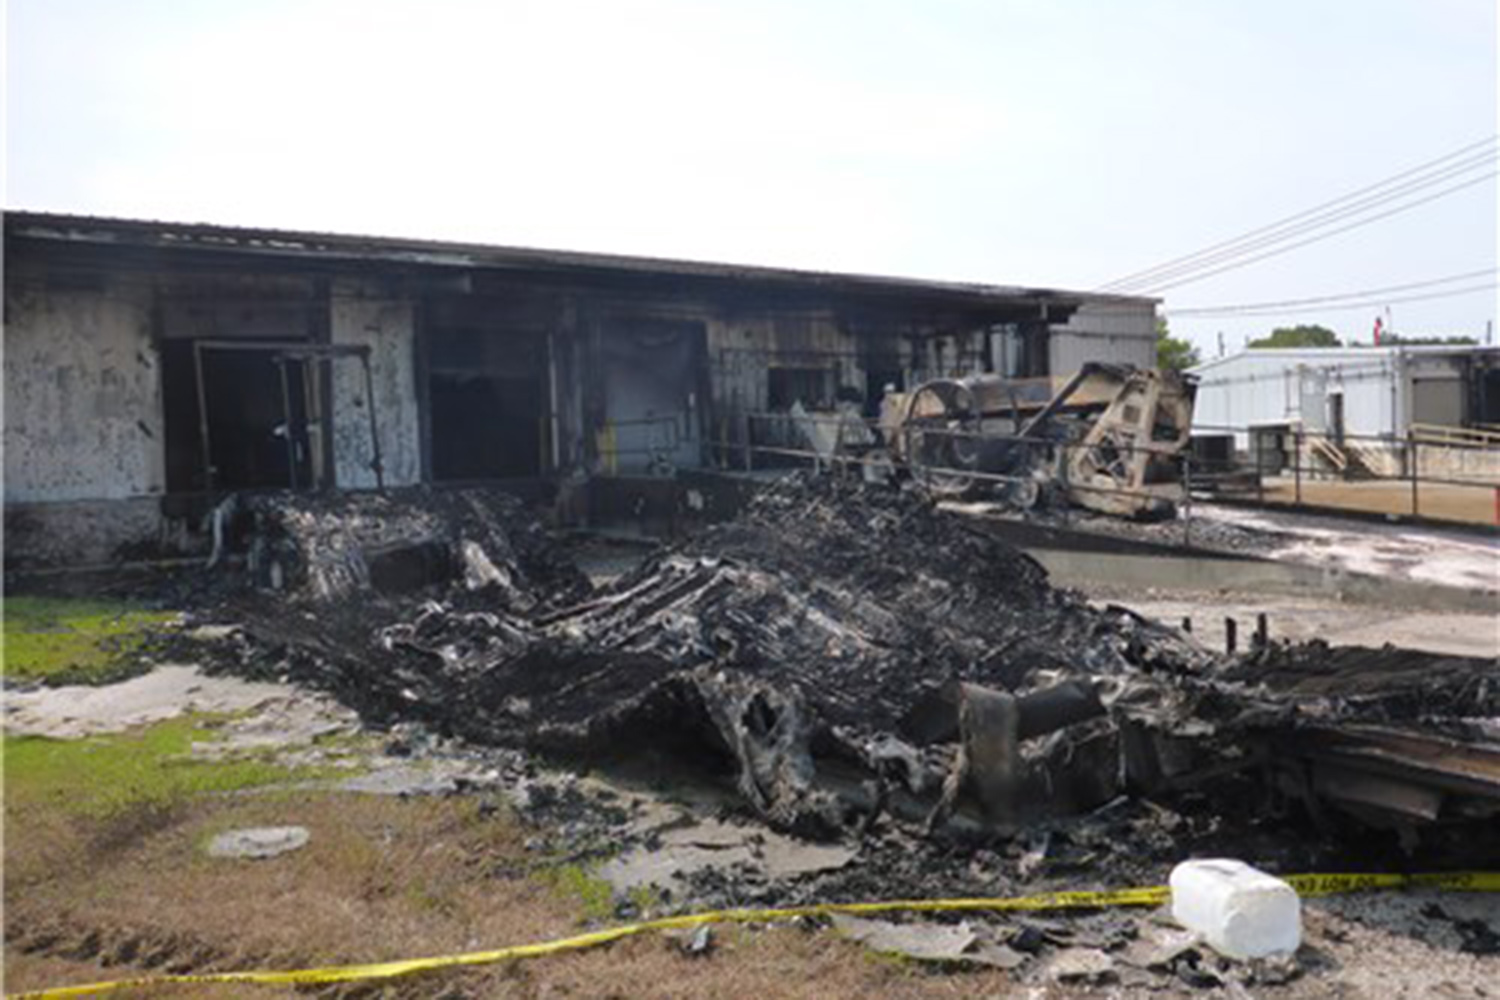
<point x="208" y="464"/>
<point x="286" y="417"/>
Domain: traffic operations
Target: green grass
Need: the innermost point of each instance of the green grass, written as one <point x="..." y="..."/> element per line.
<point x="68" y="641"/>
<point x="579" y="883"/>
<point x="148" y="768"/>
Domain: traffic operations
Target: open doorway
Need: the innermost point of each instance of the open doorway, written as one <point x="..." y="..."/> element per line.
<point x="485" y="426"/>
<point x="232" y="431"/>
<point x="244" y="415"/>
<point x="1336" y="418"/>
<point x="654" y="373"/>
<point x="487" y="404"/>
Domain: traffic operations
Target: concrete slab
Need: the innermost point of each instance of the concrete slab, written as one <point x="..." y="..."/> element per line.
<point x="76" y="711"/>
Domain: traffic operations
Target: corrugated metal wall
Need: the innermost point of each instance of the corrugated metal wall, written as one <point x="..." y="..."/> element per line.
<point x="1118" y="333"/>
<point x="1274" y="387"/>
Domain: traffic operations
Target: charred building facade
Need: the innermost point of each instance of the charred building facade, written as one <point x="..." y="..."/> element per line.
<point x="151" y="368"/>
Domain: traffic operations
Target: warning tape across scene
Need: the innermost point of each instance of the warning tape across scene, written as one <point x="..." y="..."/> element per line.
<point x="1306" y="885"/>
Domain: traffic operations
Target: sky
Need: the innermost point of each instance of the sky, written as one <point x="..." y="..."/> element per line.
<point x="1056" y="143"/>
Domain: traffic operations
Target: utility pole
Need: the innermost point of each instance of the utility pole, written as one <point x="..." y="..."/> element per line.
<point x="1489" y="333"/>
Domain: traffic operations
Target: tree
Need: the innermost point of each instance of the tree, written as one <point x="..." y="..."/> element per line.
<point x="1173" y="352"/>
<point x="1299" y="336"/>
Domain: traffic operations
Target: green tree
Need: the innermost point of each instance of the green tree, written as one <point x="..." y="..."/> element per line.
<point x="1299" y="336"/>
<point x="1173" y="352"/>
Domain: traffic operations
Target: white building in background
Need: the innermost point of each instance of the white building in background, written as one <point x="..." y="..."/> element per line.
<point x="1377" y="391"/>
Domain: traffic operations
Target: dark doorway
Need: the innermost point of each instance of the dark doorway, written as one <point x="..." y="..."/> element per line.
<point x="247" y="423"/>
<point x="485" y="427"/>
<point x="812" y="387"/>
<point x="1487" y="406"/>
<point x="487" y="403"/>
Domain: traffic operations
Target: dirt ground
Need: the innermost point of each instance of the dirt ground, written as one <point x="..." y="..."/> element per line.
<point x="130" y="889"/>
<point x="383" y="878"/>
<point x="1299" y="619"/>
<point x="1444" y="501"/>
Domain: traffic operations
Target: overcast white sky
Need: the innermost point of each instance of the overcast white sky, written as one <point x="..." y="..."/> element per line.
<point x="1050" y="143"/>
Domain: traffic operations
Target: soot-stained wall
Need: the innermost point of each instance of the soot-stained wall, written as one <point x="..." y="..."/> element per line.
<point x="82" y="391"/>
<point x="362" y="315"/>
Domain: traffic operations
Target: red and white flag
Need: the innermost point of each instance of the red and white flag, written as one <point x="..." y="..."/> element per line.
<point x="1377" y="331"/>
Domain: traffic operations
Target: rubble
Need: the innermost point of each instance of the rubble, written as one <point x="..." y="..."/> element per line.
<point x="845" y="656"/>
<point x="963" y="943"/>
<point x="784" y="648"/>
<point x="332" y="546"/>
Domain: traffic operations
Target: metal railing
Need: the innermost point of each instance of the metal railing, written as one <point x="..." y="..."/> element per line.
<point x="1459" y="436"/>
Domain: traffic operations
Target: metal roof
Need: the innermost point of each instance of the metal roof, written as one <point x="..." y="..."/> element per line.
<point x="235" y="241"/>
<point x="1350" y="353"/>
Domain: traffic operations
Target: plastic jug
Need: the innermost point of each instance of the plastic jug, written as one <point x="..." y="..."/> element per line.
<point x="1238" y="910"/>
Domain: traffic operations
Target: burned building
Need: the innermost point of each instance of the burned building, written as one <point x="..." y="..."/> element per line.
<point x="151" y="367"/>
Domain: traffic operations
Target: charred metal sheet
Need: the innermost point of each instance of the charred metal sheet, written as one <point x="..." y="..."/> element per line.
<point x="935" y="716"/>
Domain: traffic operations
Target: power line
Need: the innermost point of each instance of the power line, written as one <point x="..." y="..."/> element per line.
<point x="1314" y="300"/>
<point x="1387" y="182"/>
<point x="1322" y="236"/>
<point x="1320" y="222"/>
<point x="1343" y="307"/>
<point x="1380" y="186"/>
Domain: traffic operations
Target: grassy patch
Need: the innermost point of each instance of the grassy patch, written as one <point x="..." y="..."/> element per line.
<point x="581" y="885"/>
<point x="107" y="775"/>
<point x="69" y="641"/>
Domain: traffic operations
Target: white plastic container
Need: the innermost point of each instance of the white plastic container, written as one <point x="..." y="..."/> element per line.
<point x="1238" y="910"/>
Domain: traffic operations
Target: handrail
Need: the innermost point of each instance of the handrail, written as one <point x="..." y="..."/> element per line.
<point x="1442" y="434"/>
<point x="1330" y="451"/>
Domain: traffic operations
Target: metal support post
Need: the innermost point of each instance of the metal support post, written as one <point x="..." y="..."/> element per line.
<point x="286" y="425"/>
<point x="1297" y="465"/>
<point x="1187" y="499"/>
<point x="208" y="462"/>
<point x="745" y="430"/>
<point x="1411" y="462"/>
<point x="1260" y="470"/>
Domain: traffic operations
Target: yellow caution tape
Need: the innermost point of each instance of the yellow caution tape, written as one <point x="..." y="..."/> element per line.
<point x="1307" y="885"/>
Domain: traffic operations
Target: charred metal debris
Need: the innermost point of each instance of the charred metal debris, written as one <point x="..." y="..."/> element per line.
<point x="845" y="656"/>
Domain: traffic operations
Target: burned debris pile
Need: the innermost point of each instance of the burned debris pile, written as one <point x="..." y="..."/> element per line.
<point x="841" y="653"/>
<point x="345" y="546"/>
